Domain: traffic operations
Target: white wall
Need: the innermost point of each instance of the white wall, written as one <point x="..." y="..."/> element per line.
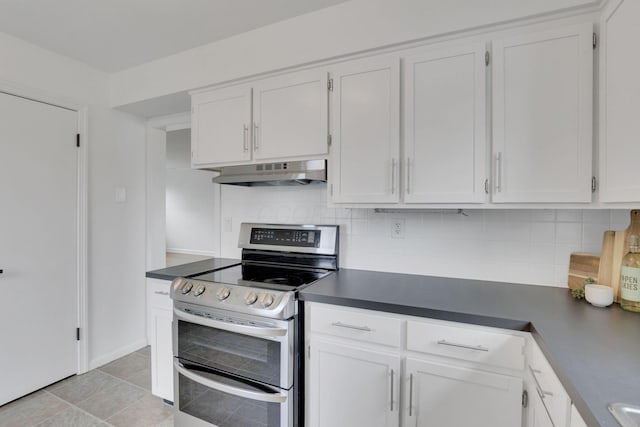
<point x="518" y="246"/>
<point x="353" y="26"/>
<point x="116" y="251"/>
<point x="191" y="201"/>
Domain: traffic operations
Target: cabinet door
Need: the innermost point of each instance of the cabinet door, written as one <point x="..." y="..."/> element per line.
<point x="365" y="128"/>
<point x="542" y="116"/>
<point x="619" y="102"/>
<point x="290" y="116"/>
<point x="220" y="126"/>
<point x="350" y="387"/>
<point x="445" y="125"/>
<point x="161" y="353"/>
<point x="538" y="415"/>
<point x="446" y="395"/>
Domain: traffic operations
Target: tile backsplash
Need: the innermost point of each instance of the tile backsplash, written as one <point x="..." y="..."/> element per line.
<point x="519" y="246"/>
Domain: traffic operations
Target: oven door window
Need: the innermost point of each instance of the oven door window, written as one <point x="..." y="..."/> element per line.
<point x="235" y="353"/>
<point x="226" y="402"/>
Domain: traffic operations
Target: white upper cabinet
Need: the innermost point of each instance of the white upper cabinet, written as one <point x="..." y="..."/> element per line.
<point x="290" y="116"/>
<point x="365" y="123"/>
<point x="445" y="124"/>
<point x="542" y="116"/>
<point x="274" y="119"/>
<point x="620" y="102"/>
<point x="220" y="126"/>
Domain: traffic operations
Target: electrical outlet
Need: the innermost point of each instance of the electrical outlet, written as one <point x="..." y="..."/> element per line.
<point x="397" y="228"/>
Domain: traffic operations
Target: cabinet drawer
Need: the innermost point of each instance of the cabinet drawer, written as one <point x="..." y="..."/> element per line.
<point x="158" y="293"/>
<point x="466" y="343"/>
<point x="356" y="324"/>
<point x="549" y="387"/>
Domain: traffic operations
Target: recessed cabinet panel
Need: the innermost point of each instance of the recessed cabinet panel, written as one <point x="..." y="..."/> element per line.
<point x="447" y="395"/>
<point x="444" y="125"/>
<point x="290" y="116"/>
<point x="366" y="136"/>
<point x="352" y="387"/>
<point x="620" y="102"/>
<point x="221" y="122"/>
<point x="542" y="116"/>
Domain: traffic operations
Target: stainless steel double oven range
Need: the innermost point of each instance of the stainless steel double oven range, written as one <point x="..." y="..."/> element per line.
<point x="238" y="332"/>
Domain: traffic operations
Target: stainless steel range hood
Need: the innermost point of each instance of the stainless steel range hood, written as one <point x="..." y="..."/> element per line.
<point x="271" y="174"/>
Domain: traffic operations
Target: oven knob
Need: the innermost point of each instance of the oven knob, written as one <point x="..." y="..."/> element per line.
<point x="186" y="288"/>
<point x="251" y="298"/>
<point x="266" y="300"/>
<point x="223" y="293"/>
<point x="199" y="290"/>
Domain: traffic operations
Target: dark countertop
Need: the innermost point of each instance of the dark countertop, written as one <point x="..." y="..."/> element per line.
<point x="594" y="351"/>
<point x="192" y="268"/>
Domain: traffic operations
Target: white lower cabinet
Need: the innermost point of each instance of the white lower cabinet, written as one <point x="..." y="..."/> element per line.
<point x="159" y="335"/>
<point x="440" y="394"/>
<point x="352" y="387"/>
<point x="538" y="415"/>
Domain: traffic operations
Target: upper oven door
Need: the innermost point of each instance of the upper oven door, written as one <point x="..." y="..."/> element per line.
<point x="254" y="348"/>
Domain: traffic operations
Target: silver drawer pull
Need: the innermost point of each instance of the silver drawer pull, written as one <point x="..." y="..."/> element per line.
<point x="541" y="392"/>
<point x="469" y="347"/>
<point x="344" y="325"/>
<point x="161" y="293"/>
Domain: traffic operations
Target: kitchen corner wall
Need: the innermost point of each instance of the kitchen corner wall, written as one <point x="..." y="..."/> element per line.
<point x="519" y="246"/>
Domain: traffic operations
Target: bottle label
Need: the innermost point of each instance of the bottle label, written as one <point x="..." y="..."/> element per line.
<point x="630" y="284"/>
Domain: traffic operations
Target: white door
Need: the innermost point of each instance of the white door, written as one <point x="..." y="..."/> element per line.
<point x="447" y="395"/>
<point x="538" y="415"/>
<point x="352" y="387"/>
<point x="542" y="116"/>
<point x="38" y="245"/>
<point x="290" y="115"/>
<point x="444" y="124"/>
<point x="619" y="102"/>
<point x="221" y="126"/>
<point x="365" y="123"/>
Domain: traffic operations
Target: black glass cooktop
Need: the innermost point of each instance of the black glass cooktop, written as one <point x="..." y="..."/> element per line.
<point x="263" y="276"/>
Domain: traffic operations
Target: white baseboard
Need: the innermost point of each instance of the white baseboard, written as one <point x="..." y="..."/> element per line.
<point x="190" y="252"/>
<point x="117" y="354"/>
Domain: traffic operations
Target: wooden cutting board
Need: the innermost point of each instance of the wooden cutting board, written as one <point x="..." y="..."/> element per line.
<point x="620" y="249"/>
<point x="605" y="272"/>
<point x="581" y="266"/>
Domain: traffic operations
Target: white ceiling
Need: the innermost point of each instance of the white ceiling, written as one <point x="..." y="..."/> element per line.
<point x="112" y="35"/>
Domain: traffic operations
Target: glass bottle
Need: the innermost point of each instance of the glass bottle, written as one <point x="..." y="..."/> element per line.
<point x="630" y="277"/>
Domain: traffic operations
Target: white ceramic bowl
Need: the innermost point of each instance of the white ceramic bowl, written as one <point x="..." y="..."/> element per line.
<point x="599" y="295"/>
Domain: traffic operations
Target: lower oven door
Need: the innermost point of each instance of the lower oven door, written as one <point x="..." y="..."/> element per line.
<point x="206" y="398"/>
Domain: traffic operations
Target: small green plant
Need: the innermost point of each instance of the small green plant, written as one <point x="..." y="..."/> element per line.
<point x="578" y="293"/>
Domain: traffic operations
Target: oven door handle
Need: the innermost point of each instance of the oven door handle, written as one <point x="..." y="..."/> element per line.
<point x="255" y="331"/>
<point x="225" y="388"/>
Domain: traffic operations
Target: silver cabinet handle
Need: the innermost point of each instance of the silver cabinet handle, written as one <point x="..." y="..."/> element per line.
<point x="345" y="325"/>
<point x="499" y="171"/>
<point x="393" y="176"/>
<point x="542" y="393"/>
<point x="410" y="394"/>
<point x="245" y="141"/>
<point x="392" y="375"/>
<point x="469" y="347"/>
<point x="255" y="136"/>
<point x="408" y="174"/>
<point x="161" y="293"/>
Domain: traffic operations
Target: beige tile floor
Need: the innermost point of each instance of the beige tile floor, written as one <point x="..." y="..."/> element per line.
<point x="117" y="394"/>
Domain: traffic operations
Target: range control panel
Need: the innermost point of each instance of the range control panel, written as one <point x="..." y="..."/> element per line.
<point x="286" y="237"/>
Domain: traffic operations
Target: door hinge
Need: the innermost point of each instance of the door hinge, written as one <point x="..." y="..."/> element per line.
<point x="77" y="334"/>
<point x="330" y="85"/>
<point x="487" y="58"/>
<point x="329" y="140"/>
<point x="594" y="184"/>
<point x="331" y="189"/>
<point x="595" y="40"/>
<point x="486" y="186"/>
<point x="525" y="399"/>
<point x="77" y="140"/>
<point x="309" y="352"/>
